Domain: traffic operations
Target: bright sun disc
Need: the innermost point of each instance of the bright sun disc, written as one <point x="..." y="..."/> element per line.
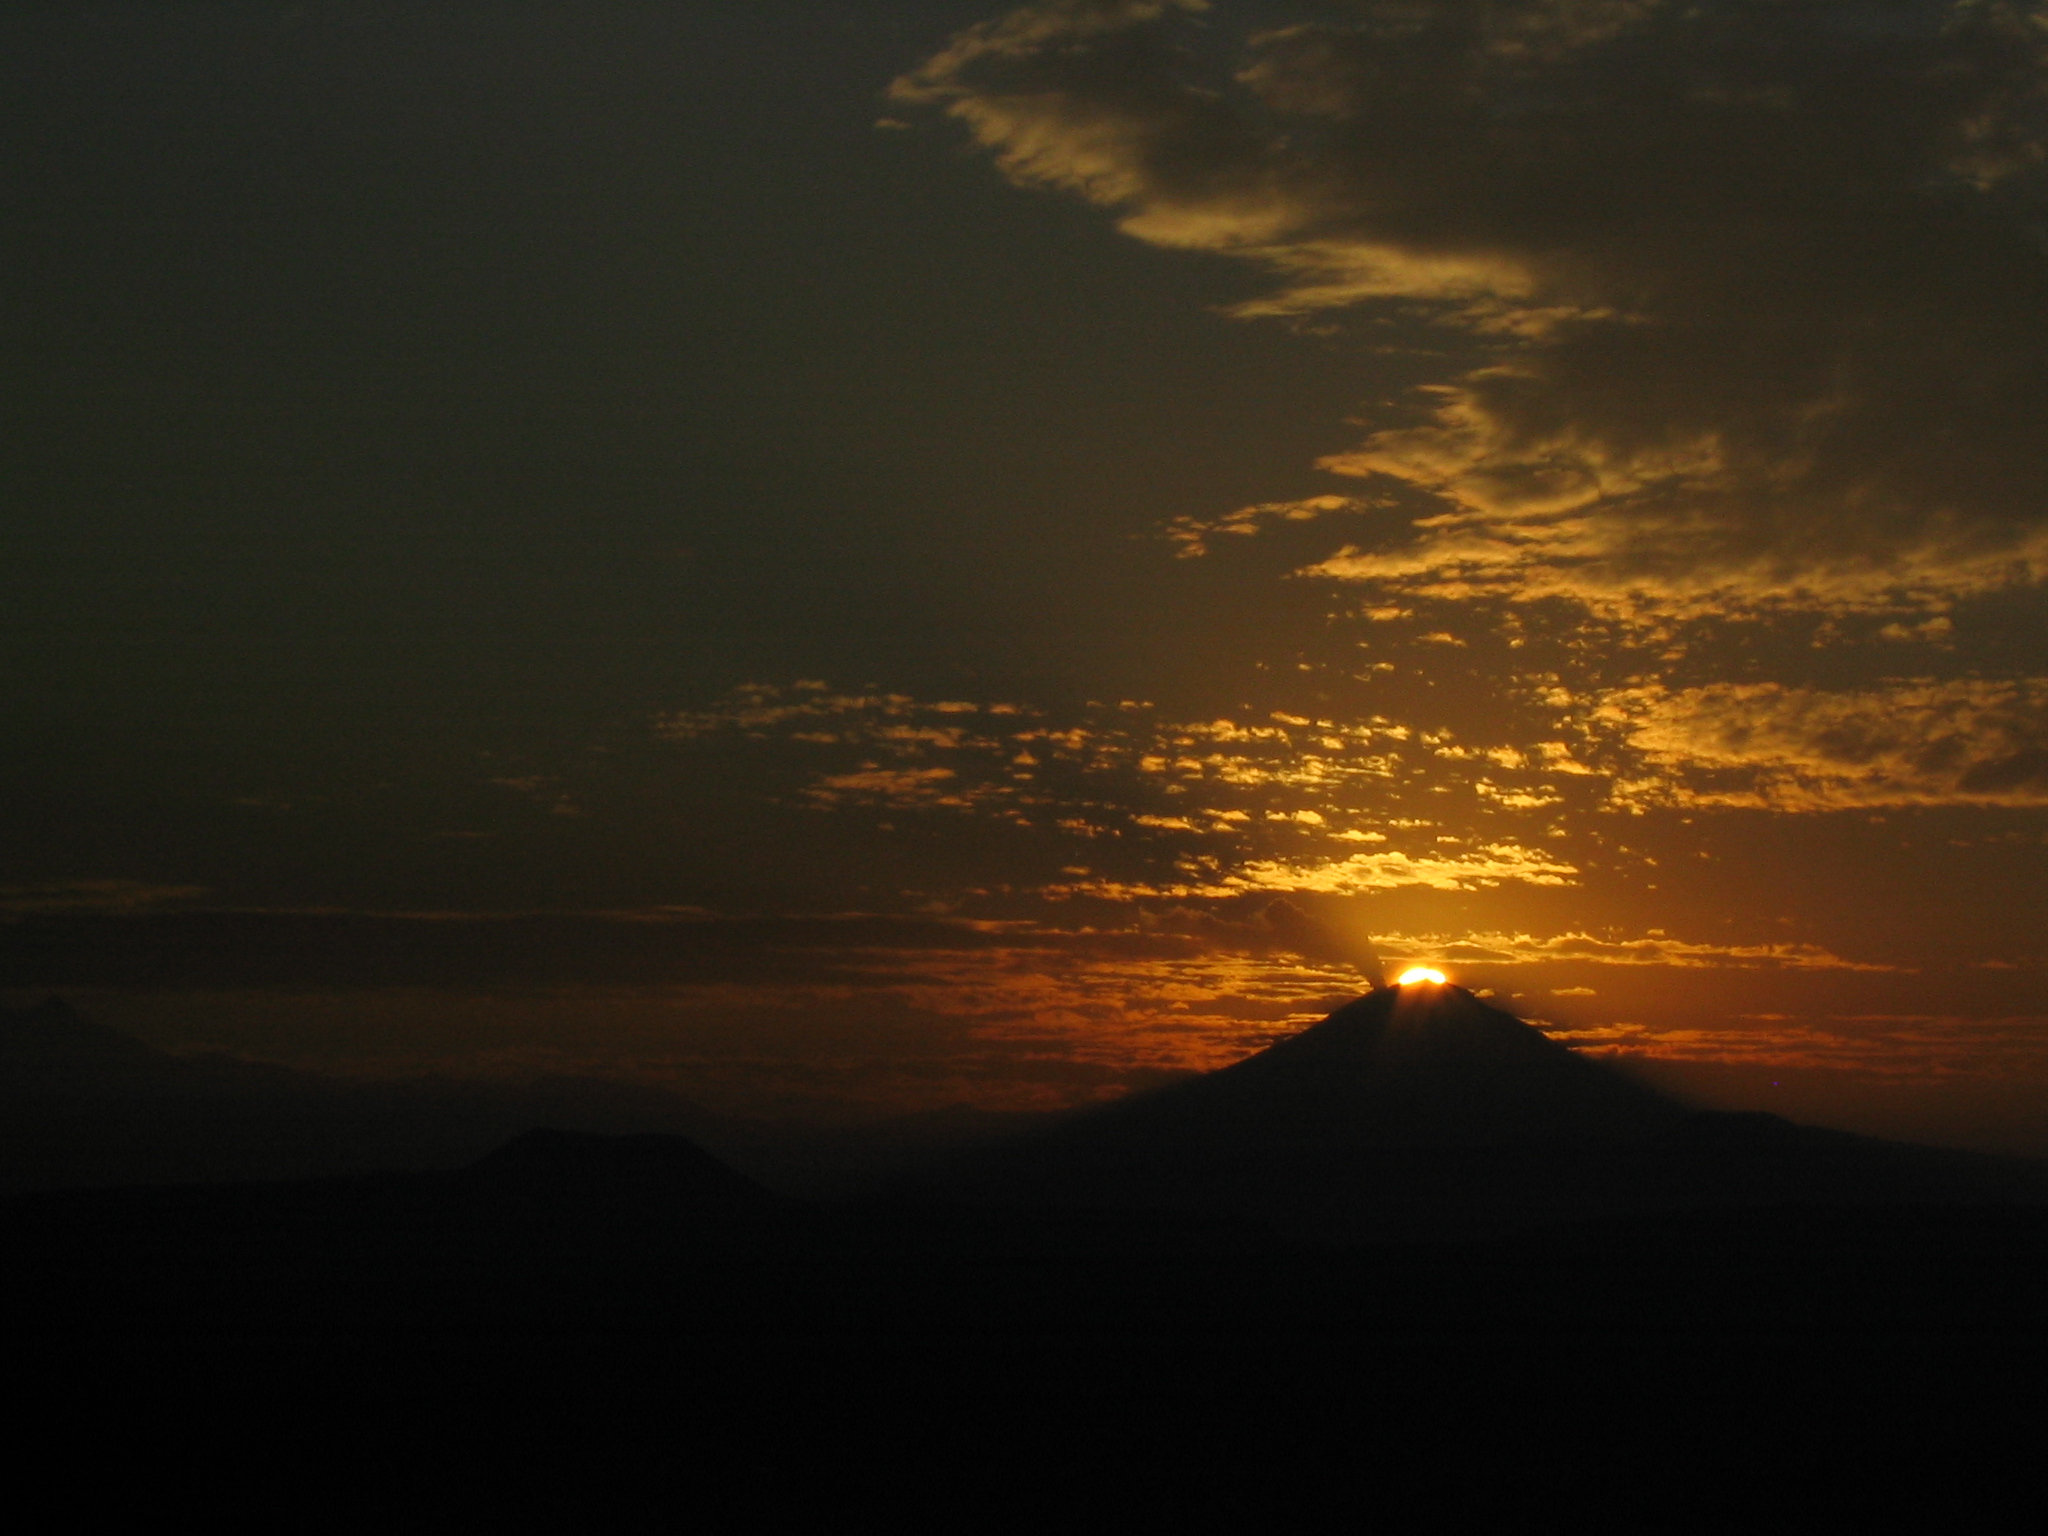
<point x="1420" y="973"/>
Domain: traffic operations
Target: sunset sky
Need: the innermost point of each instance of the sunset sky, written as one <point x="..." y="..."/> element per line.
<point x="856" y="557"/>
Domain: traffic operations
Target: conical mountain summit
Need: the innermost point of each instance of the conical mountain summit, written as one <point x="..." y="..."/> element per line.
<point x="1409" y="1067"/>
<point x="1424" y="1111"/>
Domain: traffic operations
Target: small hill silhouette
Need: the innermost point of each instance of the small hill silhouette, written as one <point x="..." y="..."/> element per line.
<point x="549" y="1164"/>
<point x="82" y="1104"/>
<point x="1422" y="1111"/>
<point x="52" y="1038"/>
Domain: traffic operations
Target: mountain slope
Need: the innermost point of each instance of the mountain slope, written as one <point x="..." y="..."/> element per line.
<point x="1422" y="1111"/>
<point x="82" y="1104"/>
<point x="50" y="1041"/>
<point x="550" y="1165"/>
<point x="1401" y="1067"/>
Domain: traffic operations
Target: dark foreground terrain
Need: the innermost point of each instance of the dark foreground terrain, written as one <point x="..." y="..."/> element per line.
<point x="562" y="1234"/>
<point x="615" y="1321"/>
<point x="1414" y="1264"/>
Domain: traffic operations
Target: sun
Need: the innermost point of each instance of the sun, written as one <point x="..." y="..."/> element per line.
<point x="1417" y="975"/>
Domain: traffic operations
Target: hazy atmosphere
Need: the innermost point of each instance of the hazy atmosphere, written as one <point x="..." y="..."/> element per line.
<point x="857" y="558"/>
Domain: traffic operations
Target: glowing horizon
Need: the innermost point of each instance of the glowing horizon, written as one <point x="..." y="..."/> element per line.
<point x="1417" y="975"/>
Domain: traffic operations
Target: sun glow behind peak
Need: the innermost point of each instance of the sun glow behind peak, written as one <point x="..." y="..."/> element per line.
<point x="1421" y="975"/>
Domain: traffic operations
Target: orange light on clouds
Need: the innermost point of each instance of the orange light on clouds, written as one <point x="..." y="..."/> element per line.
<point x="1421" y="975"/>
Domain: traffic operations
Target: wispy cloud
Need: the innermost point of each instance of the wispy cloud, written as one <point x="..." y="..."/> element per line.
<point x="1961" y="742"/>
<point x="1922" y="1049"/>
<point x="1195" y="536"/>
<point x="94" y="896"/>
<point x="1751" y="298"/>
<point x="1349" y="875"/>
<point x="1654" y="567"/>
<point x="1653" y="949"/>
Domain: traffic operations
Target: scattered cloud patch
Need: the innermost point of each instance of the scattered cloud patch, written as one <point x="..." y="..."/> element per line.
<point x="1219" y="808"/>
<point x="1961" y="742"/>
<point x="1526" y="949"/>
<point x="1193" y="535"/>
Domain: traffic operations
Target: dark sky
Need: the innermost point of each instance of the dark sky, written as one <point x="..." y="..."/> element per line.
<point x="1151" y="503"/>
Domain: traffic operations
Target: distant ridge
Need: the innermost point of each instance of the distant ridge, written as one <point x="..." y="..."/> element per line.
<point x="1422" y="1111"/>
<point x="51" y="1036"/>
<point x="82" y="1105"/>
<point x="549" y="1163"/>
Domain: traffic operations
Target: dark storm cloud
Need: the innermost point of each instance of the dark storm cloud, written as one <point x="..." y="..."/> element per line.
<point x="1754" y="293"/>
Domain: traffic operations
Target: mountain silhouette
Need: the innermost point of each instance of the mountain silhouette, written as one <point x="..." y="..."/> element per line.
<point x="52" y="1039"/>
<point x="1422" y="1111"/>
<point x="1417" y="1066"/>
<point x="82" y="1104"/>
<point x="549" y="1164"/>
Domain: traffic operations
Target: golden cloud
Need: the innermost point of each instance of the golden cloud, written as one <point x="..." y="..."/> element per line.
<point x="1961" y="742"/>
<point x="1747" y="305"/>
<point x="1652" y="949"/>
<point x="1497" y="864"/>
